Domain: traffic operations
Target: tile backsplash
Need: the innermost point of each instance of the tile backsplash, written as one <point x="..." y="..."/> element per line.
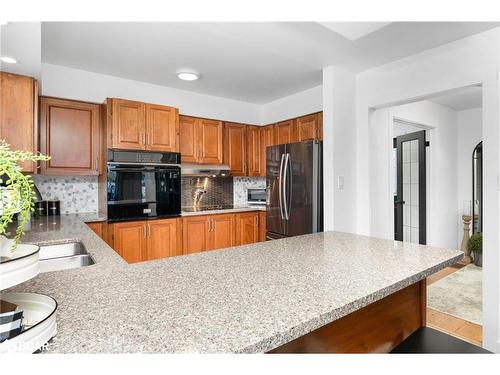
<point x="76" y="193"/>
<point x="79" y="193"/>
<point x="218" y="190"/>
<point x="242" y="184"/>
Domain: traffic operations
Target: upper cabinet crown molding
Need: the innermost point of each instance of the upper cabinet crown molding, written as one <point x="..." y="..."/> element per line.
<point x="19" y="114"/>
<point x="70" y="134"/>
<point x="134" y="125"/>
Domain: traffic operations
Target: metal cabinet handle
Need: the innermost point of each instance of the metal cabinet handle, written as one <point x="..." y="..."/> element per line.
<point x="145" y="232"/>
<point x="149" y="230"/>
<point x="280" y="186"/>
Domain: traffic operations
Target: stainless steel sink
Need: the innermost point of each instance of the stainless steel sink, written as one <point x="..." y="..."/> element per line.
<point x="64" y="256"/>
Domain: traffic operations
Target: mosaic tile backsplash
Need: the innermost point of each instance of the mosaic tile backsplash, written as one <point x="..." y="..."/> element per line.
<point x="206" y="191"/>
<point x="241" y="184"/>
<point x="76" y="193"/>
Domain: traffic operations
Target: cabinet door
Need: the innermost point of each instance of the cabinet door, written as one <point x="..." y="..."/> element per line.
<point x="162" y="128"/>
<point x="267" y="139"/>
<point x="163" y="239"/>
<point x="284" y="132"/>
<point x="96" y="228"/>
<point x="235" y="148"/>
<point x="248" y="227"/>
<point x="308" y="127"/>
<point x="320" y="126"/>
<point x="254" y="151"/>
<point x="262" y="225"/>
<point x="70" y="135"/>
<point x="210" y="141"/>
<point x="195" y="236"/>
<point x="130" y="240"/>
<point x="222" y="230"/>
<point x="128" y="124"/>
<point x="188" y="128"/>
<point x="18" y="114"/>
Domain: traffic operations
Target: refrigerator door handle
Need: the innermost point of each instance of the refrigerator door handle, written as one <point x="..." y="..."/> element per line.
<point x="280" y="186"/>
<point x="285" y="186"/>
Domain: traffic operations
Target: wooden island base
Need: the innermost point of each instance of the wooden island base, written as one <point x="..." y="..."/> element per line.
<point x="376" y="328"/>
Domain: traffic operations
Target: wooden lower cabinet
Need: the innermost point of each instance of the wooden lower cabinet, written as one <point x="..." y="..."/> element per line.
<point x="208" y="232"/>
<point x="262" y="226"/>
<point x="248" y="227"/>
<point x="138" y="241"/>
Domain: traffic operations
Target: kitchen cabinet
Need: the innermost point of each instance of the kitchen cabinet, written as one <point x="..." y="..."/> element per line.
<point x="247" y="227"/>
<point x="208" y="232"/>
<point x="70" y="134"/>
<point x="136" y="125"/>
<point x="267" y="139"/>
<point x="235" y="148"/>
<point x="309" y="127"/>
<point x="254" y="151"/>
<point x="142" y="240"/>
<point x="284" y="132"/>
<point x="101" y="228"/>
<point x="97" y="228"/>
<point x="201" y="140"/>
<point x="162" y="128"/>
<point x="262" y="226"/>
<point x="19" y="114"/>
<point x="130" y="240"/>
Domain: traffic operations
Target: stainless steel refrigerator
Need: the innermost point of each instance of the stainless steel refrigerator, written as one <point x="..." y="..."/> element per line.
<point x="294" y="183"/>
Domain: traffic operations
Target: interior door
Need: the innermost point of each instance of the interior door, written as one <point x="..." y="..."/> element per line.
<point x="410" y="198"/>
<point x="275" y="220"/>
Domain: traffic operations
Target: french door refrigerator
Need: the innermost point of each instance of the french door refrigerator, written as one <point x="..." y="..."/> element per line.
<point x="294" y="183"/>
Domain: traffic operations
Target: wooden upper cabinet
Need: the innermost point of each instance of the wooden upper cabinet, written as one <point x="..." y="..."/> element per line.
<point x="248" y="227"/>
<point x="162" y="128"/>
<point x="235" y="148"/>
<point x="164" y="238"/>
<point x="128" y="124"/>
<point x="254" y="151"/>
<point x="320" y="121"/>
<point x="130" y="240"/>
<point x="19" y="114"/>
<point x="188" y="128"/>
<point x="222" y="231"/>
<point x="284" y="132"/>
<point x="309" y="127"/>
<point x="195" y="235"/>
<point x="267" y="139"/>
<point x="210" y="141"/>
<point x="200" y="140"/>
<point x="70" y="135"/>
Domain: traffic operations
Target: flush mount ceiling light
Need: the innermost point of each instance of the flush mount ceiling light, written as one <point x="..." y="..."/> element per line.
<point x="188" y="76"/>
<point x="8" y="59"/>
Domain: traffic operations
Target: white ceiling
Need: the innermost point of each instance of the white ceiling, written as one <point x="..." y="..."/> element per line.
<point x="256" y="62"/>
<point x="461" y="100"/>
<point x="354" y="30"/>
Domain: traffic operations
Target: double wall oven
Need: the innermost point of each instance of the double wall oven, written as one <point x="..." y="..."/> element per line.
<point x="143" y="185"/>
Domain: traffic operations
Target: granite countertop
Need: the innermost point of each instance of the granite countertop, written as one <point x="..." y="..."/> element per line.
<point x="248" y="299"/>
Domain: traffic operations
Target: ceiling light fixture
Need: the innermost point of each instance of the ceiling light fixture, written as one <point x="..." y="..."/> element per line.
<point x="8" y="59"/>
<point x="188" y="76"/>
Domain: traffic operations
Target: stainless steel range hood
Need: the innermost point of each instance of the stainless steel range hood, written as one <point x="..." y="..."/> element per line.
<point x="210" y="170"/>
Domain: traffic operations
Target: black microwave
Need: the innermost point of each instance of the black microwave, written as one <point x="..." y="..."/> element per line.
<point x="143" y="185"/>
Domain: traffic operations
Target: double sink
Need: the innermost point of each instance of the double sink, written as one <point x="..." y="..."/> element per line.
<point x="64" y="256"/>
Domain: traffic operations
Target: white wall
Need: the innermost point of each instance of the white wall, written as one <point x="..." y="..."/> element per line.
<point x="339" y="150"/>
<point x="469" y="135"/>
<point x="295" y="105"/>
<point x="78" y="84"/>
<point x="469" y="61"/>
<point x="442" y="209"/>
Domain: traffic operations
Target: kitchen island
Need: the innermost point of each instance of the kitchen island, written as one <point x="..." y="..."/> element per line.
<point x="279" y="295"/>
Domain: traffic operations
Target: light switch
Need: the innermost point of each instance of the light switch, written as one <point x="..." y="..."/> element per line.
<point x="340" y="182"/>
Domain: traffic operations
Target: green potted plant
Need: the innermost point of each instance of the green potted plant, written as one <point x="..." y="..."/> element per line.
<point x="476" y="248"/>
<point x="16" y="190"/>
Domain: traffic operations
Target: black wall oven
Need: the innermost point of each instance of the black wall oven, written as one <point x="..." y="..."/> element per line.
<point x="143" y="185"/>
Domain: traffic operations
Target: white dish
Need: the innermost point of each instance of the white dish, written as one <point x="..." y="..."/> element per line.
<point x="18" y="266"/>
<point x="39" y="310"/>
